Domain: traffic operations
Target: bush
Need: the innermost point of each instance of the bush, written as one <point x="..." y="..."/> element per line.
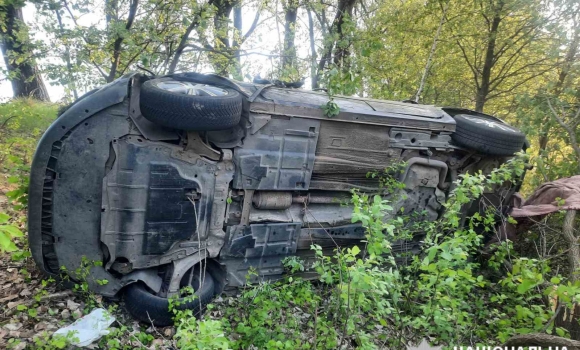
<point x="363" y="299"/>
<point x="22" y="122"/>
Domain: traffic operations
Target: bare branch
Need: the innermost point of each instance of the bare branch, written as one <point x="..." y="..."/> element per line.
<point x="571" y="132"/>
<point x="119" y="41"/>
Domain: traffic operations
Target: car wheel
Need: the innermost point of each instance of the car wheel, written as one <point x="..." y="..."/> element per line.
<point x="189" y="106"/>
<point x="148" y="307"/>
<point x="487" y="135"/>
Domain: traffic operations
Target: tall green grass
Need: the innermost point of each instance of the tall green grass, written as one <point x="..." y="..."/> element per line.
<point x="26" y="117"/>
<point x="22" y="122"/>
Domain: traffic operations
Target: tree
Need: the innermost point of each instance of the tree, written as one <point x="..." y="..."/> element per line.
<point x="513" y="41"/>
<point x="17" y="50"/>
<point x="289" y="49"/>
<point x="112" y="15"/>
<point x="336" y="38"/>
<point x="431" y="53"/>
<point x="570" y="14"/>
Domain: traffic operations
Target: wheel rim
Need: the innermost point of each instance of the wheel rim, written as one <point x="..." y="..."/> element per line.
<point x="492" y="124"/>
<point x="186" y="88"/>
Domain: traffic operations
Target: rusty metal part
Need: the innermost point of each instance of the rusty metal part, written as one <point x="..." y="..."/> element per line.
<point x="180" y="267"/>
<point x="122" y="267"/>
<point x="196" y="145"/>
<point x="429" y="162"/>
<point x="283" y="200"/>
<point x="147" y="276"/>
<point x="272" y="200"/>
<point x="223" y="177"/>
<point x="247" y="205"/>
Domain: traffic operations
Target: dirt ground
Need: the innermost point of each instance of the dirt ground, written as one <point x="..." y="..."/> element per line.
<point x="32" y="307"/>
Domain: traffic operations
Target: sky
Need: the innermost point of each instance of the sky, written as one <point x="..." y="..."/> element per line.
<point x="55" y="92"/>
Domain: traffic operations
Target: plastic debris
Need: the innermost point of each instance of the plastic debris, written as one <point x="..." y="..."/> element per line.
<point x="89" y="328"/>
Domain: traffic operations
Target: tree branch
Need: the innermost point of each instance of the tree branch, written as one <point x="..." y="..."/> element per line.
<point x="117" y="44"/>
<point x="253" y="26"/>
<point x="571" y="132"/>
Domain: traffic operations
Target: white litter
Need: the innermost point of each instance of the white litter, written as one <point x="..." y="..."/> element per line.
<point x="88" y="328"/>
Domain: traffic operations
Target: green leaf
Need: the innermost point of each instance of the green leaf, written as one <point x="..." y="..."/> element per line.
<point x="13" y="179"/>
<point x="561" y="331"/>
<point x="525" y="286"/>
<point x="12" y="230"/>
<point x="6" y="244"/>
<point x="4" y="218"/>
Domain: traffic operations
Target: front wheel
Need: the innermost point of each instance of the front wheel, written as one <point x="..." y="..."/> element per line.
<point x="150" y="308"/>
<point x="188" y="106"/>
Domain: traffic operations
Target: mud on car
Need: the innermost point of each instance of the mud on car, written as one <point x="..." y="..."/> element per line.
<point x="192" y="180"/>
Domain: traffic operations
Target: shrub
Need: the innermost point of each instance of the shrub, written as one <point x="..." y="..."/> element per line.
<point x="448" y="294"/>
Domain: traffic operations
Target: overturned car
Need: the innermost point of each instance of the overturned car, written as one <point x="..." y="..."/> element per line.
<point x="193" y="180"/>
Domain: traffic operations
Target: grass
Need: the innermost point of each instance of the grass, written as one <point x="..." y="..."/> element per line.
<point x="22" y="122"/>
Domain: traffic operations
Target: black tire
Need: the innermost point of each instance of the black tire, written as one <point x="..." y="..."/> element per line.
<point x="189" y="112"/>
<point x="487" y="135"/>
<point x="148" y="308"/>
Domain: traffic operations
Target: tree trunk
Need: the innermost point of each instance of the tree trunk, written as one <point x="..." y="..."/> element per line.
<point x="313" y="76"/>
<point x="238" y="21"/>
<point x="344" y="6"/>
<point x="572" y="240"/>
<point x="221" y="59"/>
<point x="182" y="44"/>
<point x="18" y="57"/>
<point x="289" y="52"/>
<point x="69" y="69"/>
<point x="342" y="48"/>
<point x="569" y="60"/>
<point x="543" y="340"/>
<point x="116" y="60"/>
<point x="431" y="54"/>
<point x="483" y="90"/>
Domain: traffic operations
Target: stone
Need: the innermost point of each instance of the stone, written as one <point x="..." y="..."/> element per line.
<point x="71" y="305"/>
<point x="13" y="326"/>
<point x="27" y="334"/>
<point x="169" y="332"/>
<point x="20" y="346"/>
<point x="65" y="313"/>
<point x="77" y="314"/>
<point x="40" y="326"/>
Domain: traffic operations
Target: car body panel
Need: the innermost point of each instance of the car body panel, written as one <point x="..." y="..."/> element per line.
<point x="106" y="186"/>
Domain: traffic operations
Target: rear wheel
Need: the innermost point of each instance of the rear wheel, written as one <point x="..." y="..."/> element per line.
<point x="487" y="135"/>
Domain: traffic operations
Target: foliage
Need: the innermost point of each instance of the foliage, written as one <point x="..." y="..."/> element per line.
<point x="7" y="234"/>
<point x="46" y="341"/>
<point x="365" y="296"/>
<point x="191" y="333"/>
<point x="22" y="121"/>
<point x="331" y="109"/>
<point x="81" y="277"/>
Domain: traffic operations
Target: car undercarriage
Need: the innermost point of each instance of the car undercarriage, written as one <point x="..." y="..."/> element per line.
<point x="155" y="196"/>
